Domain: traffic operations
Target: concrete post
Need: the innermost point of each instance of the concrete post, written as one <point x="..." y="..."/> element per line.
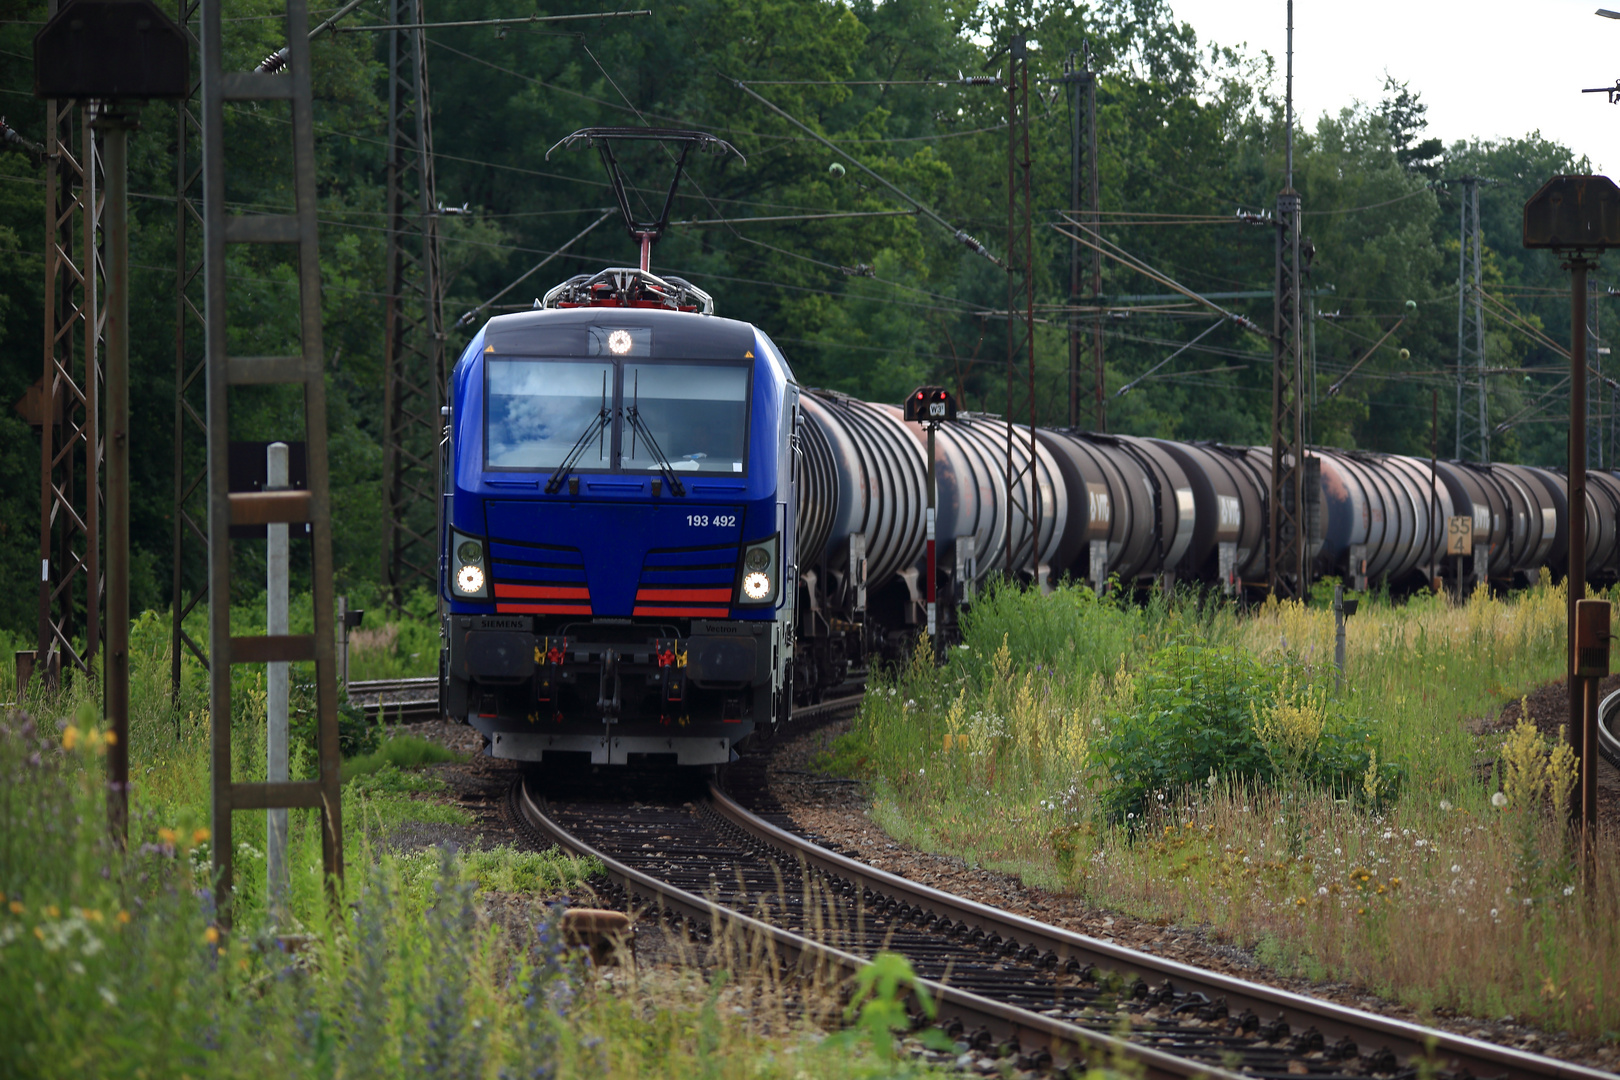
<point x="275" y="606"/>
<point x="1338" y="637"/>
<point x="343" y="644"/>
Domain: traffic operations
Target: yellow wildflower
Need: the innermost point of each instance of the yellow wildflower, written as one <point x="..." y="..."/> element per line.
<point x="222" y="950"/>
<point x="53" y="911"/>
<point x="17" y="907"/>
<point x="212" y="934"/>
<point x="123" y="917"/>
<point x="90" y="914"/>
<point x="70" y="737"/>
<point x="39" y="932"/>
<point x="199" y="836"/>
<point x="168" y="836"/>
<point x="110" y="738"/>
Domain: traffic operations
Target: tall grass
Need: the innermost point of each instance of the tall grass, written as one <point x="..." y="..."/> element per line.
<point x="113" y="963"/>
<point x="1009" y="756"/>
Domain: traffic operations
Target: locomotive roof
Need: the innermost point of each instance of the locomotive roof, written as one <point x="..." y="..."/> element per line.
<point x="677" y="335"/>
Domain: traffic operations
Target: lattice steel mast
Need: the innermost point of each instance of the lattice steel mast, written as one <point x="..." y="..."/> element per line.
<point x="1288" y="542"/>
<point x="414" y="339"/>
<point x="1473" y="417"/>
<point x="189" y="510"/>
<point x="71" y="582"/>
<point x="306" y="370"/>
<point x="1085" y="264"/>
<point x="1020" y="313"/>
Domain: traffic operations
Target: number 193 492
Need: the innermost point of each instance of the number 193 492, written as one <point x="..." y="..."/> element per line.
<point x="716" y="521"/>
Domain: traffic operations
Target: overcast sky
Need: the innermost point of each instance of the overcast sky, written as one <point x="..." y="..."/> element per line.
<point x="1486" y="69"/>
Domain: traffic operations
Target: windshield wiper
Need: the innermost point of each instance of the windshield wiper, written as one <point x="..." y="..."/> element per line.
<point x="597" y="427"/>
<point x="639" y="426"/>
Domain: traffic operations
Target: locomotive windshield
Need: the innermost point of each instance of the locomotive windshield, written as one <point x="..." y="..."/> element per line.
<point x="697" y="415"/>
<point x="537" y="411"/>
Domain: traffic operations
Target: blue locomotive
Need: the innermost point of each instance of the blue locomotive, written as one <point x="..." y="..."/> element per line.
<point x="618" y="528"/>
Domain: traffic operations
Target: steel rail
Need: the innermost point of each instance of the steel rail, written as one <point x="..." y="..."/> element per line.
<point x="1410" y="1042"/>
<point x="368" y="694"/>
<point x="1608" y="726"/>
<point x="1065" y="1042"/>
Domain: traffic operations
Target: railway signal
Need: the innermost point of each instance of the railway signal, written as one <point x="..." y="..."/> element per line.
<point x="932" y="406"/>
<point x="1578" y="218"/>
<point x="111" y="56"/>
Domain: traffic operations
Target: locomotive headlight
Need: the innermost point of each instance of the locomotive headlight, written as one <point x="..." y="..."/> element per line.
<point x="620" y="342"/>
<point x="759" y="572"/>
<point x="469" y="579"/>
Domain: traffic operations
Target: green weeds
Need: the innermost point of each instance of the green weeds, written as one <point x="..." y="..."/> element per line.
<point x="399" y="752"/>
<point x="1186" y="761"/>
<point x="1198" y="714"/>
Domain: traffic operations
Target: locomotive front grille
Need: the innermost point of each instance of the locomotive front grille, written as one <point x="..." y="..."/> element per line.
<point x="539" y="579"/>
<point x="687" y="582"/>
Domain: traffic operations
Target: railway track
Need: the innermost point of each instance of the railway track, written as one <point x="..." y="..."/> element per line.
<point x="398" y="701"/>
<point x="414" y="700"/>
<point x="1609" y="729"/>
<point x="1006" y="984"/>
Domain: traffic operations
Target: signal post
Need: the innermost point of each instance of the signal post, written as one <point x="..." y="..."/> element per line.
<point x="931" y="406"/>
<point x="1578" y="218"/>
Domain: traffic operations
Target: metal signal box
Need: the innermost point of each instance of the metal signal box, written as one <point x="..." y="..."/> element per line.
<point x="111" y="49"/>
<point x="930" y="405"/>
<point x="1592" y="638"/>
<point x="1574" y="213"/>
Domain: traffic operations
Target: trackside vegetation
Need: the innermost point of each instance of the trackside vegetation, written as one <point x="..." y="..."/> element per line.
<point x="435" y="962"/>
<point x="1181" y="760"/>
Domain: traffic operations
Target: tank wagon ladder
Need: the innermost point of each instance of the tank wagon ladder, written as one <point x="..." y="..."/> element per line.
<point x="312" y="505"/>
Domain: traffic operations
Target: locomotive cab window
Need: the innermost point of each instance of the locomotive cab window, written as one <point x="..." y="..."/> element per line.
<point x="539" y="409"/>
<point x="695" y="414"/>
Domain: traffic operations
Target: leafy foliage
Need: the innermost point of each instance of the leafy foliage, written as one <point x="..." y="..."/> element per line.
<point x="870" y="305"/>
<point x="1201" y="715"/>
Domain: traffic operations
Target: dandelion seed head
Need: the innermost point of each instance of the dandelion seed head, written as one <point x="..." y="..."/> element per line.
<point x="1499" y="800"/>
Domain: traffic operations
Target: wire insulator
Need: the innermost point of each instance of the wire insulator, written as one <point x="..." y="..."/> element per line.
<point x="273" y="63"/>
<point x="961" y="235"/>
